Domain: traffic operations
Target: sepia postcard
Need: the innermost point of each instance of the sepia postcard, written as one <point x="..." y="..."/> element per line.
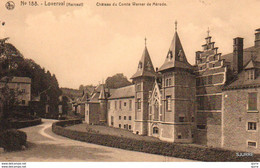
<point x="90" y="83"/>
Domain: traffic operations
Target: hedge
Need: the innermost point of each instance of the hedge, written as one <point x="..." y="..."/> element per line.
<point x="13" y="140"/>
<point x="26" y="123"/>
<point x="178" y="150"/>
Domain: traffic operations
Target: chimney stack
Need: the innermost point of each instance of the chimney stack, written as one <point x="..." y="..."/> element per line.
<point x="257" y="38"/>
<point x="257" y="42"/>
<point x="237" y="64"/>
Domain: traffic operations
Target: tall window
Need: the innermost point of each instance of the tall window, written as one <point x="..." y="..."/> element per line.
<point x="170" y="81"/>
<point x="112" y="120"/>
<point x="120" y="105"/>
<point x="138" y="104"/>
<point x="130" y="105"/>
<point x="130" y="118"/>
<point x="138" y="87"/>
<point x="115" y="104"/>
<point x="168" y="103"/>
<point x="119" y="117"/>
<point x="251" y="126"/>
<point x="252" y="101"/>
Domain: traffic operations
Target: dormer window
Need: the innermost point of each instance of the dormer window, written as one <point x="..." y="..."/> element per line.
<point x="169" y="56"/>
<point x="250" y="74"/>
<point x="180" y="55"/>
<point x="140" y="65"/>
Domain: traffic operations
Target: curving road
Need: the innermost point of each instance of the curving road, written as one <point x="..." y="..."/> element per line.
<point x="44" y="145"/>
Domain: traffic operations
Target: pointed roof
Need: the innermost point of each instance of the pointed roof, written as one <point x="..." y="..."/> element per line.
<point x="176" y="56"/>
<point x="102" y="95"/>
<point x="145" y="66"/>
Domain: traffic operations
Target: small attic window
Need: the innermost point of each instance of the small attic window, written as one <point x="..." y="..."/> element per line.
<point x="169" y="56"/>
<point x="180" y="55"/>
<point x="250" y="74"/>
<point x="140" y="65"/>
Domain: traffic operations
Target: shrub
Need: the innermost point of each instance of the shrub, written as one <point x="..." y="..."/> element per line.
<point x="13" y="140"/>
<point x="185" y="151"/>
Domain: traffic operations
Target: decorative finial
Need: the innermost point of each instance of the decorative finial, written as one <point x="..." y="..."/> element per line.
<point x="145" y="39"/>
<point x="208" y="31"/>
<point x="176" y="23"/>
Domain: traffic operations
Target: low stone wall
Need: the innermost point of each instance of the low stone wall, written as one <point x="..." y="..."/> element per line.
<point x="26" y="123"/>
<point x="162" y="148"/>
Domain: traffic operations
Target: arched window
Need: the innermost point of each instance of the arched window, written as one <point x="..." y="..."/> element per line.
<point x="167" y="82"/>
<point x="155" y="130"/>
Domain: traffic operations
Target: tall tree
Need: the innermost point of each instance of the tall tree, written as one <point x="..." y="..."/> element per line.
<point x="116" y="81"/>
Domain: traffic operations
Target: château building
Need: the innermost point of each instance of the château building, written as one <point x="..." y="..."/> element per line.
<point x="214" y="102"/>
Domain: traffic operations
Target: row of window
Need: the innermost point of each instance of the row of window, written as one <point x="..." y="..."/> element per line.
<point x="156" y="131"/>
<point x="251" y="126"/>
<point x="120" y="105"/>
<point x="129" y="118"/>
<point x="168" y="82"/>
<point x="126" y="126"/>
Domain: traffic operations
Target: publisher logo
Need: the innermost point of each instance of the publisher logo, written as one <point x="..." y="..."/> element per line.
<point x="10" y="5"/>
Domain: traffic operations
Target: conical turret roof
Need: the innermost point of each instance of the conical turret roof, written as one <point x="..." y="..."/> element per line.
<point x="176" y="57"/>
<point x="102" y="95"/>
<point x="145" y="66"/>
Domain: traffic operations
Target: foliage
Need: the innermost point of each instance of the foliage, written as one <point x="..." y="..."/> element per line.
<point x="44" y="84"/>
<point x="9" y="99"/>
<point x="13" y="140"/>
<point x="117" y="81"/>
<point x="71" y="93"/>
<point x="185" y="151"/>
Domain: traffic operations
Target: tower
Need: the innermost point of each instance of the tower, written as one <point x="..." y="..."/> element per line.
<point x="178" y="95"/>
<point x="103" y="106"/>
<point x="143" y="80"/>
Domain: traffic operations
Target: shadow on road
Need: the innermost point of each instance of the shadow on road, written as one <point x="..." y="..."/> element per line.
<point x="56" y="152"/>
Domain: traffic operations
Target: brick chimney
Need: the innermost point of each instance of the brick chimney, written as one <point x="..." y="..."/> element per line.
<point x="237" y="63"/>
<point x="257" y="38"/>
<point x="257" y="42"/>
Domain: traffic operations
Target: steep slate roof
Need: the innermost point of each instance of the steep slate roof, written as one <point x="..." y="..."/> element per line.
<point x="102" y="94"/>
<point x="16" y="79"/>
<point x="176" y="57"/>
<point x="241" y="82"/>
<point x="247" y="55"/>
<point x="123" y="92"/>
<point x="95" y="98"/>
<point x="241" y="79"/>
<point x="145" y="66"/>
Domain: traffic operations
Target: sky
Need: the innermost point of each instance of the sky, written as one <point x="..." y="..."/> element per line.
<point x="85" y="45"/>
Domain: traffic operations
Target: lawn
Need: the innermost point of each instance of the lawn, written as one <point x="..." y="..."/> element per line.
<point x="110" y="131"/>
